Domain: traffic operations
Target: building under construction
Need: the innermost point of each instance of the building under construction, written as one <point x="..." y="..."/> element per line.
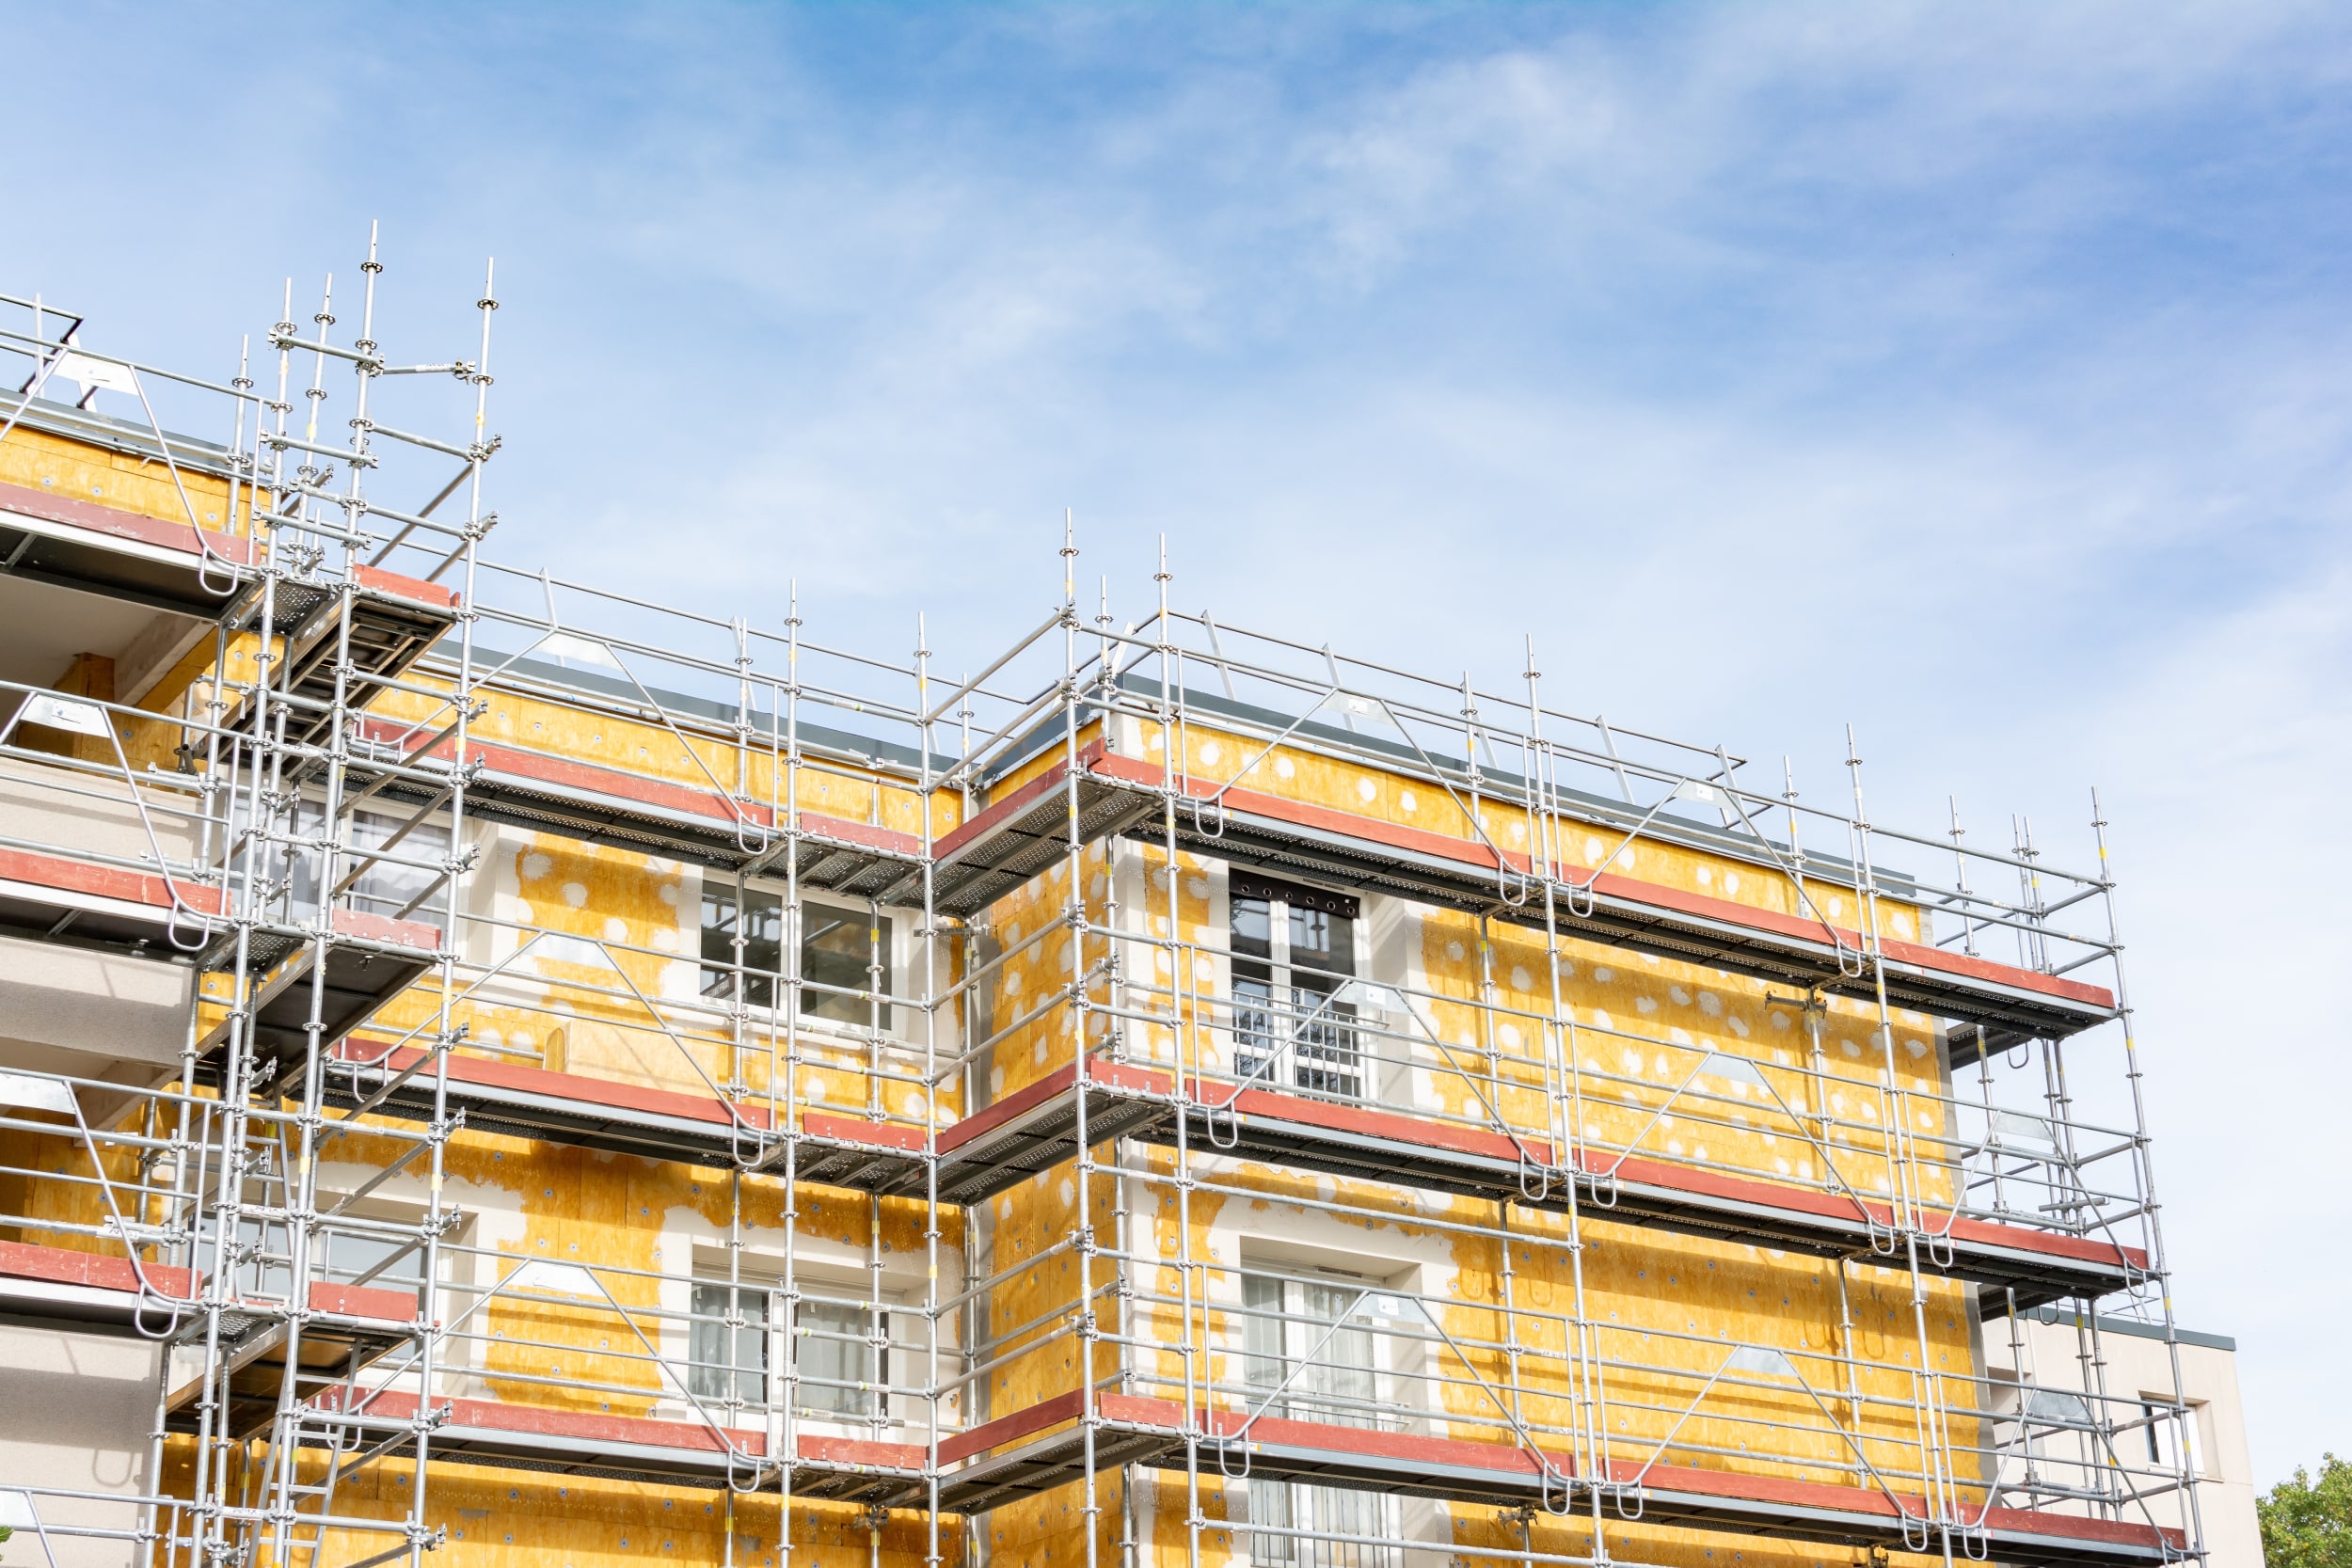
<point x="493" y="1066"/>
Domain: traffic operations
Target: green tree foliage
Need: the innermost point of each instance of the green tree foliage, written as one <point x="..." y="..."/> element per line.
<point x="2307" y="1522"/>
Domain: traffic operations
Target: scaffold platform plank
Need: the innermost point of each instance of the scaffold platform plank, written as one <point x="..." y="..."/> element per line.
<point x="346" y="1327"/>
<point x="1035" y="1129"/>
<point x="1368" y="1144"/>
<point x="61" y="898"/>
<point x="646" y="1448"/>
<point x="332" y="668"/>
<point x="597" y="804"/>
<point x="974" y="864"/>
<point x="1016" y="838"/>
<point x="980" y="1155"/>
<point x="97" y="1289"/>
<point x="127" y="556"/>
<point x="523" y="1102"/>
<point x="176" y="567"/>
<point x="1006" y="1463"/>
<point x="369" y="961"/>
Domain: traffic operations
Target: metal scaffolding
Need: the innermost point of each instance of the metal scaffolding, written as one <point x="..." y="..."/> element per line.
<point x="949" y="949"/>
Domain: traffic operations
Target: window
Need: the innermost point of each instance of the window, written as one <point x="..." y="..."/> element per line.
<point x="382" y="887"/>
<point x="844" y="952"/>
<point x="381" y="1263"/>
<point x="728" y="1360"/>
<point x="2050" y="1432"/>
<point x="1294" y="951"/>
<point x="759" y="921"/>
<point x="2173" y="1435"/>
<point x="1310" y="1354"/>
<point x="842" y="949"/>
<point x="842" y="1371"/>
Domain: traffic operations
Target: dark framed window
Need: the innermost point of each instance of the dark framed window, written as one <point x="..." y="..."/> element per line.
<point x="1294" y="951"/>
<point x="845" y="955"/>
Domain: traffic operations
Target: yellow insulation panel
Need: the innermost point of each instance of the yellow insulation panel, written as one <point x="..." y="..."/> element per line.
<point x="1574" y="846"/>
<point x="1659" y="1300"/>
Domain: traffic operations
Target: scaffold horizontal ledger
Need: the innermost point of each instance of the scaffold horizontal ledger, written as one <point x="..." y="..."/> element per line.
<point x="523" y="1069"/>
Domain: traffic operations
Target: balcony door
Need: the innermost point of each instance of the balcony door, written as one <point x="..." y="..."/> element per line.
<point x="1311" y="1353"/>
<point x="1294" y="953"/>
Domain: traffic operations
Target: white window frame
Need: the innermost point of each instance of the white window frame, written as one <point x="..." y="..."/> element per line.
<point x="776" y="1340"/>
<point x="2166" y="1429"/>
<point x="1324" y="1509"/>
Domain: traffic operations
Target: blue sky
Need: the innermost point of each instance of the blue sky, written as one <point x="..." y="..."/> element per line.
<point x="1972" y="373"/>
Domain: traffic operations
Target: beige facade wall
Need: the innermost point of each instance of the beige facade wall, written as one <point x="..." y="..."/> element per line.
<point x="2131" y="1361"/>
<point x="79" y="1411"/>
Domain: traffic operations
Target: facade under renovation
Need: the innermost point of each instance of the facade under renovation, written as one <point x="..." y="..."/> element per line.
<point x="494" y="1067"/>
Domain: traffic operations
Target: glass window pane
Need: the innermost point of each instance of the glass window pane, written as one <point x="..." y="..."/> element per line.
<point x="1333" y="1511"/>
<point x="841" y="948"/>
<point x="1325" y="1056"/>
<point x="718" y="949"/>
<point x="763" y="946"/>
<point x="386" y="889"/>
<point x="1341" y="1368"/>
<point x="381" y="888"/>
<point x="1253" y="926"/>
<point x="763" y="943"/>
<point x="1262" y="1331"/>
<point x="721" y="1353"/>
<point x="1270" y="1506"/>
<point x="1322" y="941"/>
<point x="1286" y="1321"/>
<point x="1290" y="1029"/>
<point x="835" y="1357"/>
<point x="388" y="1264"/>
<point x="1255" y="1031"/>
